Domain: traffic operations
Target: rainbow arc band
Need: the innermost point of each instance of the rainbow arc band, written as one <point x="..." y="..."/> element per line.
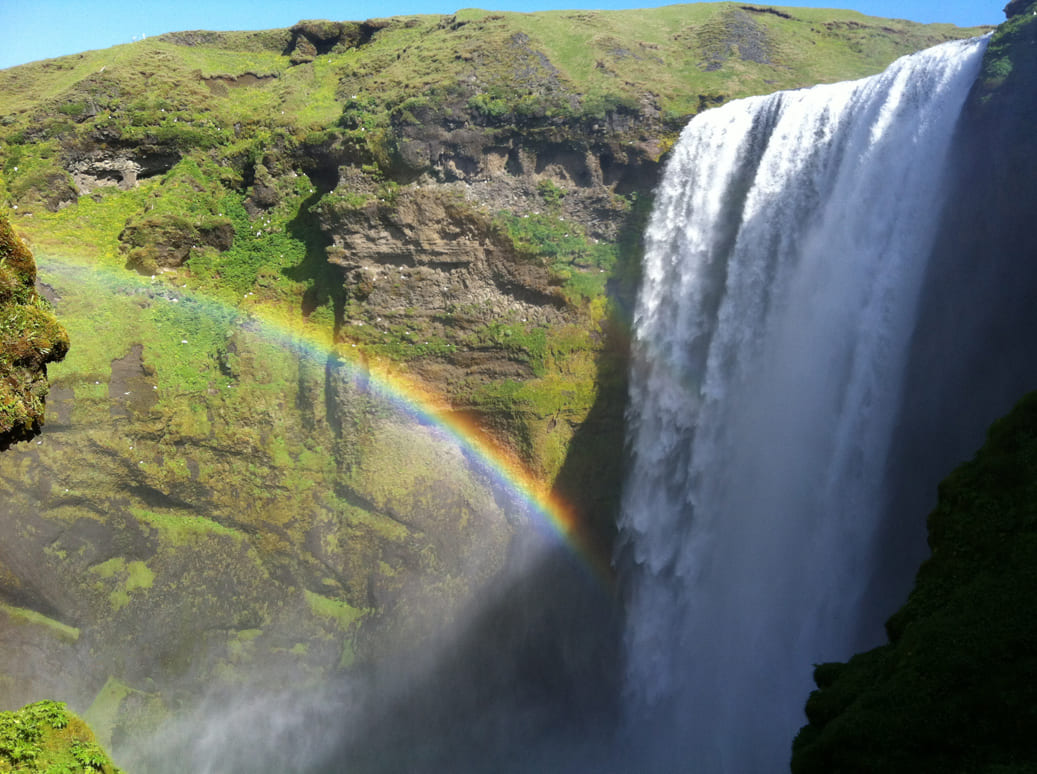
<point x="386" y="381"/>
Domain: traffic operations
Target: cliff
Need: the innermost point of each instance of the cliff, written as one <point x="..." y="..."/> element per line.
<point x="30" y="338"/>
<point x="289" y="259"/>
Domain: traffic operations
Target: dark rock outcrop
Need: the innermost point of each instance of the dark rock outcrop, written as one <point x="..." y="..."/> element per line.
<point x="1017" y="7"/>
<point x="310" y="39"/>
<point x="166" y="241"/>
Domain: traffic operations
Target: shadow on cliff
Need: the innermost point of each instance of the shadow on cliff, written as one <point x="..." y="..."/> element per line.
<point x="533" y="681"/>
<point x="321" y="278"/>
<point x="528" y="679"/>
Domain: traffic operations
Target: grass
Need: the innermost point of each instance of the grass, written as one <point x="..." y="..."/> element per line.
<point x="25" y="615"/>
<point x="601" y="59"/>
<point x="125" y="577"/>
<point x="580" y="264"/>
<point x="46" y="737"/>
<point x="620" y="53"/>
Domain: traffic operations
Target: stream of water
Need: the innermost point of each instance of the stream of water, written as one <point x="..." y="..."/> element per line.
<point x="784" y="262"/>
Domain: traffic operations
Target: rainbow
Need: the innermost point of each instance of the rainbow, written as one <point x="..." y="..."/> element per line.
<point x="404" y="393"/>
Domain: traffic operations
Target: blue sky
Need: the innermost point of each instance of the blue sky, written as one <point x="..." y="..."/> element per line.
<point x="40" y="29"/>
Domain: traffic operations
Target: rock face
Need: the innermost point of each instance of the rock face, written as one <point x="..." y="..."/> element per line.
<point x="124" y="170"/>
<point x="310" y="39"/>
<point x="1017" y="7"/>
<point x="30" y="338"/>
<point x="434" y="252"/>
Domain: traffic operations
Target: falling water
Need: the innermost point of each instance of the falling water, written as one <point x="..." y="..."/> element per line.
<point x="783" y="267"/>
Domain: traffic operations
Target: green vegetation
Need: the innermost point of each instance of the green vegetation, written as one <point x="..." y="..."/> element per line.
<point x="580" y="264"/>
<point x="30" y="338"/>
<point x="45" y="737"/>
<point x="1010" y="50"/>
<point x="956" y="687"/>
<point x="27" y="616"/>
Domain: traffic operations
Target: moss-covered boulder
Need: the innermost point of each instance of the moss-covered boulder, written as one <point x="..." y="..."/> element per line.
<point x="30" y="337"/>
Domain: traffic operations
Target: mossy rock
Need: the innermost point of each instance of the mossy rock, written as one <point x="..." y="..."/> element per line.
<point x="30" y="337"/>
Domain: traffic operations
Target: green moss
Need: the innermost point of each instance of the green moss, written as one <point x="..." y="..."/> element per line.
<point x="1010" y="51"/>
<point x="182" y="529"/>
<point x="581" y="264"/>
<point x="344" y="616"/>
<point x="30" y="338"/>
<point x="127" y="577"/>
<point x="27" y="616"/>
<point x="110" y="568"/>
<point x="335" y="609"/>
<point x="104" y="710"/>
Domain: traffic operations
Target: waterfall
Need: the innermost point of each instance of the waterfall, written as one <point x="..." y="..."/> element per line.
<point x="782" y="273"/>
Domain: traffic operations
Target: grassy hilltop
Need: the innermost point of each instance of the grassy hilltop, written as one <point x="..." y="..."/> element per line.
<point x="455" y="201"/>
